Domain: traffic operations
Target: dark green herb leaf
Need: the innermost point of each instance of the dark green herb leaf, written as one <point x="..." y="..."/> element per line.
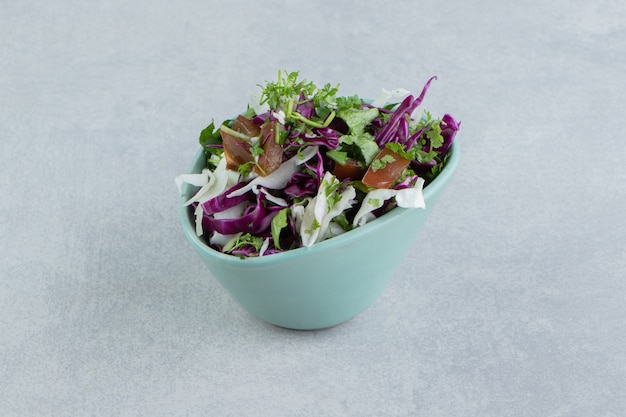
<point x="279" y="222"/>
<point x="358" y="119"/>
<point x="247" y="239"/>
<point x="345" y="103"/>
<point x="210" y="136"/>
<point x="434" y="135"/>
<point x="338" y="156"/>
<point x="380" y="163"/>
<point x="342" y="221"/>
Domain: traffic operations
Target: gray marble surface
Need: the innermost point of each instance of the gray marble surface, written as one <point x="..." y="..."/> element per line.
<point x="510" y="303"/>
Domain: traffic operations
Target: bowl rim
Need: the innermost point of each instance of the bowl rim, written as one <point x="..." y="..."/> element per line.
<point x="326" y="245"/>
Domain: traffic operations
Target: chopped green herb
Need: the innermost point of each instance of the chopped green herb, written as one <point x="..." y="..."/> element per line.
<point x="364" y="147"/>
<point x="256" y="149"/>
<point x="211" y="140"/>
<point x="210" y="136"/>
<point x="330" y="187"/>
<point x="343" y="221"/>
<point x="358" y="119"/>
<point x="338" y="156"/>
<point x="351" y="102"/>
<point x="380" y="163"/>
<point x="279" y="222"/>
<point x="434" y="135"/>
<point x="247" y="239"/>
<point x="398" y="149"/>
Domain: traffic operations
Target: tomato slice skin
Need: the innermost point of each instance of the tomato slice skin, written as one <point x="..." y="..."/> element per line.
<point x="246" y="126"/>
<point x="236" y="151"/>
<point x="272" y="155"/>
<point x="351" y="170"/>
<point x="388" y="174"/>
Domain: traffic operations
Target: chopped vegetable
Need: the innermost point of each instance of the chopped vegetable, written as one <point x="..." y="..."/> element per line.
<point x="236" y="149"/>
<point x="272" y="155"/>
<point x="385" y="169"/>
<point x="350" y="169"/>
<point x="332" y="199"/>
<point x="302" y="165"/>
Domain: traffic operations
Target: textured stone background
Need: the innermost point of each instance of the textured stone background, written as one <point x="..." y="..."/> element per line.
<point x="510" y="303"/>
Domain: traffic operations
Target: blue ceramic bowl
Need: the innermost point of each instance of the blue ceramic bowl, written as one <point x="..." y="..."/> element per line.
<point x="325" y="284"/>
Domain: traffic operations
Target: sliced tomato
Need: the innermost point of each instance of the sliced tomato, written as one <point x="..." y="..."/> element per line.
<point x="272" y="152"/>
<point x="385" y="173"/>
<point x="351" y="170"/>
<point x="246" y="126"/>
<point x="236" y="151"/>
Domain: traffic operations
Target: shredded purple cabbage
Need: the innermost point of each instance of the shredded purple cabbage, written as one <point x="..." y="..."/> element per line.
<point x="223" y="202"/>
<point x="301" y="185"/>
<point x="396" y="129"/>
<point x="254" y="221"/>
<point x="449" y="128"/>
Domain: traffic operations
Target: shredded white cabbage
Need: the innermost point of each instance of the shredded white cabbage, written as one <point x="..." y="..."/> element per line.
<point x="407" y="198"/>
<point x="197" y="180"/>
<point x="264" y="246"/>
<point x="278" y="179"/>
<point x="280" y="116"/>
<point x="412" y="197"/>
<point x="199" y="213"/>
<point x="230" y="213"/>
<point x="222" y="240"/>
<point x="297" y="211"/>
<point x="318" y="215"/>
<point x="217" y="182"/>
<point x="276" y="200"/>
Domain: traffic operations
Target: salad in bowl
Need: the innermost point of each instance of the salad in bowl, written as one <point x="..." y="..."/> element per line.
<point x="302" y="165"/>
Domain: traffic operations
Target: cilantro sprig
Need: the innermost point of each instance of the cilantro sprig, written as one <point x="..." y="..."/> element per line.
<point x="380" y="163"/>
<point x="278" y="94"/>
<point x="242" y="241"/>
<point x="288" y="91"/>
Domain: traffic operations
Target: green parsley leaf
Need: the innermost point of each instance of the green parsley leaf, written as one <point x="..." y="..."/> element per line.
<point x="249" y="113"/>
<point x="366" y="147"/>
<point x="424" y="121"/>
<point x="434" y="135"/>
<point x="407" y="172"/>
<point x="338" y="156"/>
<point x="398" y="149"/>
<point x="246" y="169"/>
<point x="374" y="202"/>
<point x="358" y="119"/>
<point x="333" y="199"/>
<point x="361" y="188"/>
<point x="282" y="135"/>
<point x="352" y="102"/>
<point x="247" y="239"/>
<point x="343" y="221"/>
<point x="325" y="96"/>
<point x="380" y="163"/>
<point x="256" y="149"/>
<point x="432" y="128"/>
<point x="209" y="137"/>
<point x="278" y="94"/>
<point x="279" y="222"/>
